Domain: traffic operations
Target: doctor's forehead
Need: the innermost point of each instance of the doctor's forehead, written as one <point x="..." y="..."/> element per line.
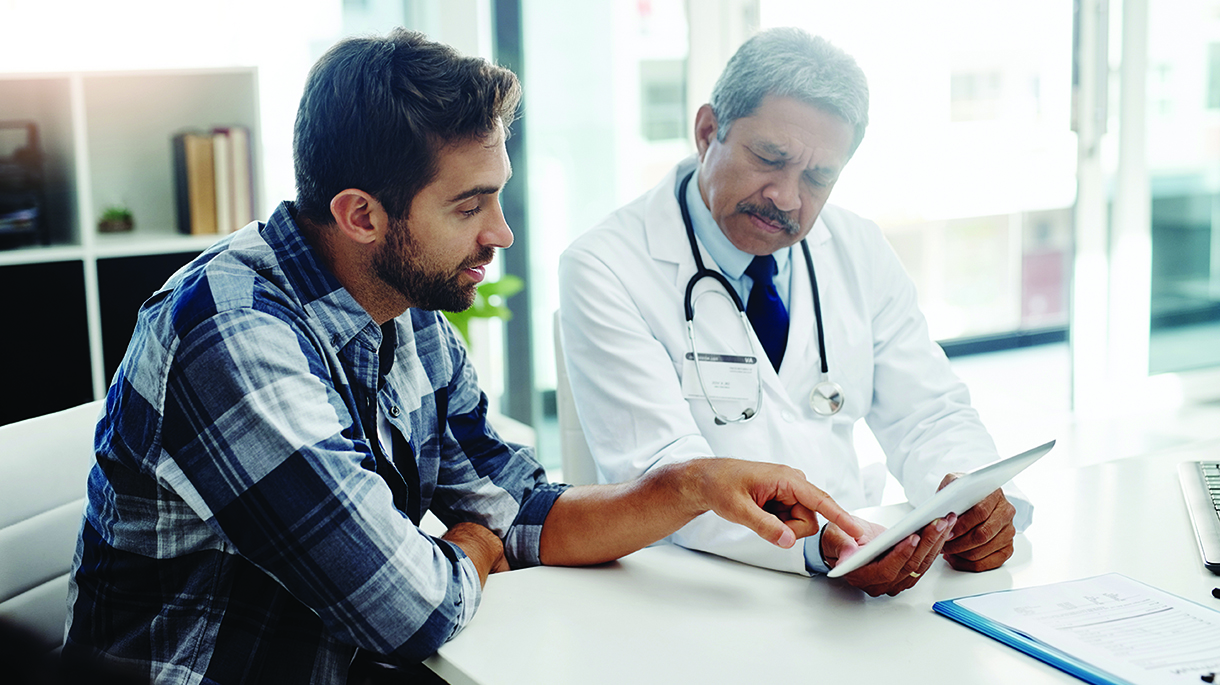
<point x="794" y="130"/>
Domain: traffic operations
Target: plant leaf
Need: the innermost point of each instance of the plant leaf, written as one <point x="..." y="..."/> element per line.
<point x="507" y="286"/>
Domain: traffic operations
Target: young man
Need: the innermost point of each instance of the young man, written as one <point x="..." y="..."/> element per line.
<point x="739" y="229"/>
<point x="291" y="404"/>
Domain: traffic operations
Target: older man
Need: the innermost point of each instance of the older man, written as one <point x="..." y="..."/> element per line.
<point x="731" y="311"/>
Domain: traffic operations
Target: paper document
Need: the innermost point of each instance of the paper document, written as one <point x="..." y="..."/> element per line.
<point x="1104" y="629"/>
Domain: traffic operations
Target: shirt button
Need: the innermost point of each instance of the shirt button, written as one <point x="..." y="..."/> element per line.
<point x="788" y="416"/>
<point x="395" y="411"/>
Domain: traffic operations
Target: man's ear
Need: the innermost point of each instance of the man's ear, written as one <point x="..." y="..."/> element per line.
<point x="706" y="127"/>
<point x="359" y="216"/>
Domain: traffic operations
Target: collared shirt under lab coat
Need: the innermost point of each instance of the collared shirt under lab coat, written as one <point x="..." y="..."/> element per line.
<point x="727" y="258"/>
<point x="624" y="332"/>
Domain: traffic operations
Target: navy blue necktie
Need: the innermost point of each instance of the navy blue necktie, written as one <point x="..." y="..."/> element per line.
<point x="766" y="311"/>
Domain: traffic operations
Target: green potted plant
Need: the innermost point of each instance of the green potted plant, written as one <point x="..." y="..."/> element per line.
<point x="489" y="300"/>
<point x="115" y="219"/>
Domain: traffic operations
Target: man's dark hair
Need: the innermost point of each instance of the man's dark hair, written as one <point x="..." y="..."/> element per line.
<point x="377" y="111"/>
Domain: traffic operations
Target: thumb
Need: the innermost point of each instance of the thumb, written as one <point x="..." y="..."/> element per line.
<point x="801" y="520"/>
<point x="837" y="545"/>
<point x="766" y="525"/>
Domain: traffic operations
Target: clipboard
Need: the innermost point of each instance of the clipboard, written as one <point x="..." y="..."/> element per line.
<point x="956" y="497"/>
<point x="1108" y="629"/>
<point x="1018" y="640"/>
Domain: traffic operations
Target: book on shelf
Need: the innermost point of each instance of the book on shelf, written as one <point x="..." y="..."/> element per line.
<point x="222" y="169"/>
<point x="243" y="176"/>
<point x="213" y="179"/>
<point x="195" y="182"/>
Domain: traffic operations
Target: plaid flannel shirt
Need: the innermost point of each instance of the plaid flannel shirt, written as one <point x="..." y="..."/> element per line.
<point x="243" y="523"/>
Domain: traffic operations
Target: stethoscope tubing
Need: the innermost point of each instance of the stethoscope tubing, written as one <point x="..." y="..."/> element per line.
<point x="826" y="390"/>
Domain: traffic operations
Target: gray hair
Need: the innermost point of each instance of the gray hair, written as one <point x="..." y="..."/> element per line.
<point x="788" y="62"/>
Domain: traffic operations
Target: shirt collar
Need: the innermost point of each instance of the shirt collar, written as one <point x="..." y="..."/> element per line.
<point x="308" y="278"/>
<point x="732" y="261"/>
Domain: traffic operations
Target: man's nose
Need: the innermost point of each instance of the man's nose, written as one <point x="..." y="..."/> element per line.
<point x="784" y="192"/>
<point x="497" y="233"/>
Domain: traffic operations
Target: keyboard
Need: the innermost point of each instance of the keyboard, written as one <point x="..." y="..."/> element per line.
<point x="1201" y="487"/>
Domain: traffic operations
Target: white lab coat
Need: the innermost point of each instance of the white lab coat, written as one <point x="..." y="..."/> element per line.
<point x="624" y="338"/>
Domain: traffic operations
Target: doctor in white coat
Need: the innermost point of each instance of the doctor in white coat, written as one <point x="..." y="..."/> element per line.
<point x="784" y="119"/>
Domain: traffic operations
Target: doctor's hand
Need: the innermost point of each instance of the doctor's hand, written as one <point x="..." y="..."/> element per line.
<point x="772" y="500"/>
<point x="899" y="568"/>
<point x="982" y="538"/>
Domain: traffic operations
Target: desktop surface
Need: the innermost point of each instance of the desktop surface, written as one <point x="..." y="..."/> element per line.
<point x="666" y="614"/>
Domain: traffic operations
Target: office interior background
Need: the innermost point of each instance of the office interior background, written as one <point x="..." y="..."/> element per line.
<point x="1048" y="172"/>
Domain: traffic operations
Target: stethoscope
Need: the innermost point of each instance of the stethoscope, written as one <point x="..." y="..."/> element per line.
<point x="827" y="396"/>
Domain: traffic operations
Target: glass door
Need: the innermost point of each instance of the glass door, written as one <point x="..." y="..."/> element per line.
<point x="1183" y="149"/>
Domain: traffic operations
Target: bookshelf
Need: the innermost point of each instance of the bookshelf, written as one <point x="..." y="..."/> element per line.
<point x="69" y="300"/>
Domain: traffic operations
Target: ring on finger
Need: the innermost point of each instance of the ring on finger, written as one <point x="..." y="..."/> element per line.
<point x="915" y="574"/>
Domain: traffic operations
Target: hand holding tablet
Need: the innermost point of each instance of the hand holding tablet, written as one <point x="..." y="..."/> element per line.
<point x="956" y="497"/>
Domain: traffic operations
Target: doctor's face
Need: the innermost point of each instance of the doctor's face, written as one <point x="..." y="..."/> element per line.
<point x="767" y="182"/>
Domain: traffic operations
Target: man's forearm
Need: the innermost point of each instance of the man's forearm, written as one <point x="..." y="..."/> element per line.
<point x="597" y="523"/>
<point x="592" y="524"/>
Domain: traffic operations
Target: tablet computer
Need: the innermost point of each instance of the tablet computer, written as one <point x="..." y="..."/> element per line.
<point x="956" y="497"/>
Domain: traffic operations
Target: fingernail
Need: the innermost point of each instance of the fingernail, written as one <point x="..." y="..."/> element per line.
<point x="941" y="524"/>
<point x="787" y="538"/>
<point x="914" y="540"/>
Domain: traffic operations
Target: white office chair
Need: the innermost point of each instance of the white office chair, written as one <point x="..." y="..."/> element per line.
<point x="44" y="462"/>
<point x="575" y="458"/>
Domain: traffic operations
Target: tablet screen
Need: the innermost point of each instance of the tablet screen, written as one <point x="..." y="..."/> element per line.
<point x="956" y="497"/>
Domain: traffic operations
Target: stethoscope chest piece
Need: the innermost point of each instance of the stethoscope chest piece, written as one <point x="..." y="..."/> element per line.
<point x="826" y="398"/>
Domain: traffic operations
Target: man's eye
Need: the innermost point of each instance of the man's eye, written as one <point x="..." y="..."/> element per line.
<point x="472" y="212"/>
<point x="818" y="181"/>
<point x="770" y="162"/>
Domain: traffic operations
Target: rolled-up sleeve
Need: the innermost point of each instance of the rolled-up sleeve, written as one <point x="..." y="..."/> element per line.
<point x="486" y="480"/>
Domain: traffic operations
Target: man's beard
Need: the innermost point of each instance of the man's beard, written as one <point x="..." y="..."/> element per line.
<point x="400" y="265"/>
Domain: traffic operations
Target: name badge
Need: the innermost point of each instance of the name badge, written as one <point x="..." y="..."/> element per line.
<point x="725" y="376"/>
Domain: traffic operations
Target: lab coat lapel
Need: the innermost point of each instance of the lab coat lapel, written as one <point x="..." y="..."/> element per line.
<point x="719" y="328"/>
<point x="663" y="227"/>
<point x="801" y="355"/>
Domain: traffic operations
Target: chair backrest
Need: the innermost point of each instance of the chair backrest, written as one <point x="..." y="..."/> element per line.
<point x="575" y="459"/>
<point x="44" y="463"/>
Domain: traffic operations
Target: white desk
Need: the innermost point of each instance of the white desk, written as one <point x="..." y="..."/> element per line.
<point x="666" y="614"/>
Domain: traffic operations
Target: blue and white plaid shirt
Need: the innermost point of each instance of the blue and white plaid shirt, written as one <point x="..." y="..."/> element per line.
<point x="242" y="522"/>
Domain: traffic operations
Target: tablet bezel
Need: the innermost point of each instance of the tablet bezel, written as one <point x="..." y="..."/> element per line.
<point x="966" y="491"/>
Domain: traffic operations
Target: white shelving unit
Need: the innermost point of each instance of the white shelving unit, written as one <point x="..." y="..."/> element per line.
<point x="106" y="139"/>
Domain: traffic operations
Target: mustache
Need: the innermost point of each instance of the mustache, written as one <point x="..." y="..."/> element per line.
<point x="483" y="256"/>
<point x="770" y="213"/>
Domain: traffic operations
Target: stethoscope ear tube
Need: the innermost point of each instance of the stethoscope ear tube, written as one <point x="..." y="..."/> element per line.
<point x="701" y="271"/>
<point x="817" y="308"/>
<point x="827" y="396"/>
